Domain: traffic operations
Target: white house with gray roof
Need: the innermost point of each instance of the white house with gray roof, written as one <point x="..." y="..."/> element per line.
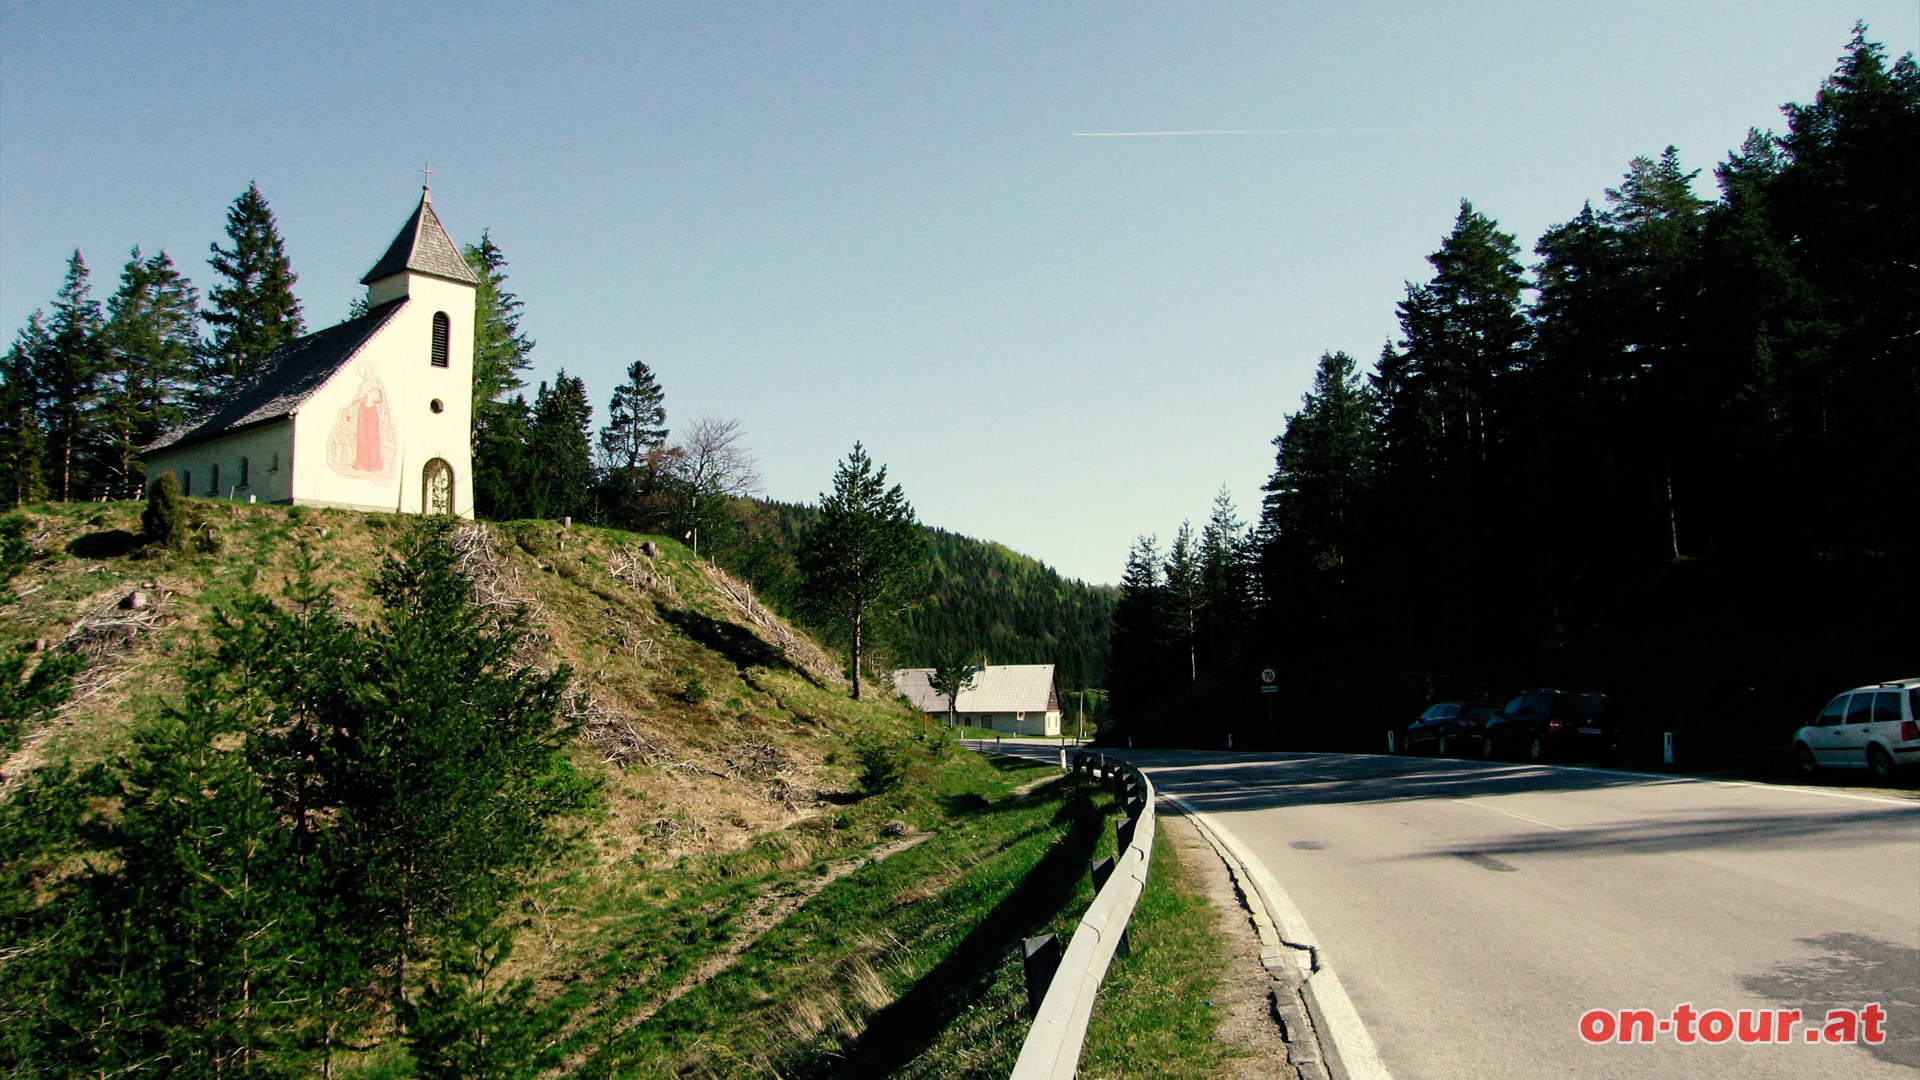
<point x="1018" y="699"/>
<point x="375" y="413"/>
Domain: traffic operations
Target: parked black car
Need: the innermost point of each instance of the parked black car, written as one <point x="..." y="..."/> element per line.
<point x="1542" y="724"/>
<point x="1448" y="727"/>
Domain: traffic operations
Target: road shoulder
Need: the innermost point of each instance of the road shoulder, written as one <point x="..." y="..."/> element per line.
<point x="1261" y="1020"/>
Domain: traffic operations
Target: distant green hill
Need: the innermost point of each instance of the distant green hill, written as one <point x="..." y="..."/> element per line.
<point x="981" y="597"/>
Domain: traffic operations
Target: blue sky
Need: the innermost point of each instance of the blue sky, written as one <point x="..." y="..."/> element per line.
<point x="889" y="222"/>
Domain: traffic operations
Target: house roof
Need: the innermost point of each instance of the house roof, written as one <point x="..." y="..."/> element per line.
<point x="424" y="247"/>
<point x="282" y="382"/>
<point x="1002" y="688"/>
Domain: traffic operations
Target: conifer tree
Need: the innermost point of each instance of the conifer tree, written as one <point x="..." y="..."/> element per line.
<point x="502" y="352"/>
<point x="636" y="420"/>
<point x="561" y="460"/>
<point x="254" y="312"/>
<point x="453" y="764"/>
<point x="22" y="440"/>
<point x="631" y="446"/>
<point x="863" y="554"/>
<point x="67" y="375"/>
<point x="152" y="347"/>
<point x="163" y="521"/>
<point x="1225" y="583"/>
<point x="501" y="462"/>
<point x="1185" y="596"/>
<point x="1138" y="671"/>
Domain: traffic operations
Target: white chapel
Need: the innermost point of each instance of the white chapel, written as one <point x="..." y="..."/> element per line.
<point x="372" y="414"/>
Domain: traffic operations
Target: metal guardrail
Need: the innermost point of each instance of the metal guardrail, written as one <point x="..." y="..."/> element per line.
<point x="1052" y="1049"/>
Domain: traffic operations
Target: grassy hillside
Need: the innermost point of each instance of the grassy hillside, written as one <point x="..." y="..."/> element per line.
<point x="770" y="866"/>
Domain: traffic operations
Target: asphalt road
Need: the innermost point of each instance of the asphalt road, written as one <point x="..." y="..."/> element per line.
<point x="1474" y="912"/>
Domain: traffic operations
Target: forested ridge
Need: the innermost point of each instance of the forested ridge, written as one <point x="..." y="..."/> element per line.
<point x="979" y="597"/>
<point x="1671" y="457"/>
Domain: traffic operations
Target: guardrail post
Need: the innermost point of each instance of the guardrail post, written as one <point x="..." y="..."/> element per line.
<point x="1101" y="870"/>
<point x="1123" y="835"/>
<point x="1042" y="959"/>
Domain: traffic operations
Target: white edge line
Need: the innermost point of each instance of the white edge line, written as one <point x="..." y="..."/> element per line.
<point x="1478" y="805"/>
<point x="1359" y="1058"/>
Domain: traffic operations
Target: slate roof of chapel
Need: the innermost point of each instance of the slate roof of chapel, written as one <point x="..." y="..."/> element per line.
<point x="996" y="688"/>
<point x="424" y="247"/>
<point x="282" y="382"/>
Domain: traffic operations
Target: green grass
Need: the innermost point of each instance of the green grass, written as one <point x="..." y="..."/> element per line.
<point x="904" y="967"/>
<point x="1154" y="1016"/>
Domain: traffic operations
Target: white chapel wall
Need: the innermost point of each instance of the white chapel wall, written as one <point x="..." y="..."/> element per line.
<point x="262" y="456"/>
<point x="365" y="438"/>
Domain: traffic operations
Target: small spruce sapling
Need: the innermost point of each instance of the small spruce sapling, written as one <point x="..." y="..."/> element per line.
<point x="163" y="522"/>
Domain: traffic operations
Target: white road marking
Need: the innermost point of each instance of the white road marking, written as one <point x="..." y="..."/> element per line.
<point x="1477" y="804"/>
<point x="1334" y="1011"/>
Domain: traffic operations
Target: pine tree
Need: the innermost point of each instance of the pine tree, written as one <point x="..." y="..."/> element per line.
<point x="453" y="763"/>
<point x="152" y="346"/>
<point x="1311" y="519"/>
<point x="255" y="311"/>
<point x="22" y="440"/>
<point x="1185" y="596"/>
<point x="562" y="477"/>
<point x="1139" y="672"/>
<point x="502" y="352"/>
<point x="862" y="556"/>
<point x="1465" y="331"/>
<point x="631" y="446"/>
<point x="636" y="420"/>
<point x="1225" y="583"/>
<point x="1850" y="215"/>
<point x="501" y="461"/>
<point x="67" y="375"/>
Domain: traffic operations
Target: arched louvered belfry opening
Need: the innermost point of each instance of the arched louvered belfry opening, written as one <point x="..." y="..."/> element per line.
<point x="442" y="328"/>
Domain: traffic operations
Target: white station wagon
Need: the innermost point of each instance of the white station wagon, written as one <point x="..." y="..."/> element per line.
<point x="1869" y="727"/>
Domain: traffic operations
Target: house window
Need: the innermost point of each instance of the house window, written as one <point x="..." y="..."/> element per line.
<point x="275" y="467"/>
<point x="244" y="469"/>
<point x="213" y="485"/>
<point x="441" y="328"/>
<point x="186" y="482"/>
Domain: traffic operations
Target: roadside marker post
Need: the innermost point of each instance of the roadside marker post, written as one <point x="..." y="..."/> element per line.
<point x="1667" y="756"/>
<point x="1041" y="961"/>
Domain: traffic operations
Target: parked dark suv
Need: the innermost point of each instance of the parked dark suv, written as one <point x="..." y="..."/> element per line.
<point x="1552" y="723"/>
<point x="1447" y="727"/>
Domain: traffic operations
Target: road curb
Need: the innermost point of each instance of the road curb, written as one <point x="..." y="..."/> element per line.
<point x="1323" y="1033"/>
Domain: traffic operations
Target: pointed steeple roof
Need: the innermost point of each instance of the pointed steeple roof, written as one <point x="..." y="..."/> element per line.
<point x="424" y="248"/>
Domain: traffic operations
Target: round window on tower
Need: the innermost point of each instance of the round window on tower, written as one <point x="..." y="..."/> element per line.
<point x="437" y="405"/>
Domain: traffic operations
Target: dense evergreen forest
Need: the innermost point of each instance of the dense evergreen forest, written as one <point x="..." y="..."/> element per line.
<point x="980" y="599"/>
<point x="1671" y="458"/>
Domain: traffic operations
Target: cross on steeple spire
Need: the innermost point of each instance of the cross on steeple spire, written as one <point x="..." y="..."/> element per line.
<point x="426" y="177"/>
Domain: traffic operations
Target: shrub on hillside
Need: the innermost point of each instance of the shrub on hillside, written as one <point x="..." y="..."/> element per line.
<point x="163" y="522"/>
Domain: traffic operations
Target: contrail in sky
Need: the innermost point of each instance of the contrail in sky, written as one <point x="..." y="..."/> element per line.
<point x="1243" y="131"/>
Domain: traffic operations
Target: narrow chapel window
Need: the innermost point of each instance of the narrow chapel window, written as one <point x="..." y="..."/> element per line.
<point x="186" y="482"/>
<point x="213" y="485"/>
<point x="243" y="472"/>
<point x="440" y="330"/>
